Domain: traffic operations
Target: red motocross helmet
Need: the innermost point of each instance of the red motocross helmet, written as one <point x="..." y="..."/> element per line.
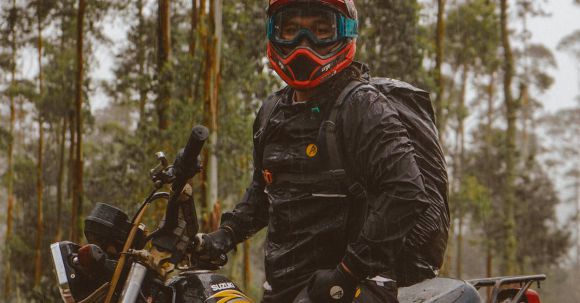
<point x="330" y="24"/>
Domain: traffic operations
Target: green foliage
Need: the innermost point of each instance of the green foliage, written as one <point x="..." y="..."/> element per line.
<point x="389" y="35"/>
<point x="473" y="35"/>
<point x="541" y="241"/>
<point x="475" y="197"/>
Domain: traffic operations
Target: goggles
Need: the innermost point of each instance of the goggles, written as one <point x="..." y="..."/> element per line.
<point x="321" y="26"/>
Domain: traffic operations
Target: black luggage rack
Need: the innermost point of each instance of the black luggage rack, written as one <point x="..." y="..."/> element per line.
<point x="497" y="282"/>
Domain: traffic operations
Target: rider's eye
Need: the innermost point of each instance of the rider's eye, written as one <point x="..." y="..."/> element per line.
<point x="290" y="31"/>
<point x="323" y="30"/>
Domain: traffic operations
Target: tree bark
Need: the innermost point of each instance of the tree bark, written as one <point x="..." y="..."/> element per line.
<point x="527" y="116"/>
<point x="575" y="174"/>
<point x="202" y="33"/>
<point x="489" y="177"/>
<point x="60" y="180"/>
<point x="211" y="97"/>
<point x="193" y="29"/>
<point x="141" y="60"/>
<point x="71" y="151"/>
<point x="10" y="174"/>
<point x="458" y="169"/>
<point x="78" y="184"/>
<point x="489" y="266"/>
<point x="439" y="46"/>
<point x="509" y="244"/>
<point x="208" y="65"/>
<point x="192" y="47"/>
<point x="163" y="61"/>
<point x="39" y="168"/>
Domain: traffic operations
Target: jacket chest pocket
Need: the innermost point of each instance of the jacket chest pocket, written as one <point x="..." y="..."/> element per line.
<point x="316" y="218"/>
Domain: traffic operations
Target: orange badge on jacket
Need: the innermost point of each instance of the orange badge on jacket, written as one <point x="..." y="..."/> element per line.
<point x="268" y="177"/>
<point x="311" y="150"/>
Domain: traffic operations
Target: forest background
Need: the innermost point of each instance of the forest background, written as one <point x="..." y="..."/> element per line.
<point x="69" y="139"/>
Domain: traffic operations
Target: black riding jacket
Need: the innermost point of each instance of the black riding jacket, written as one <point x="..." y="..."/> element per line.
<point x="317" y="223"/>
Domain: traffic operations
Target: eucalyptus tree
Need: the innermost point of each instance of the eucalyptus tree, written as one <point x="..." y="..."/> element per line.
<point x="472" y="46"/>
<point x="11" y="43"/>
<point x="509" y="245"/>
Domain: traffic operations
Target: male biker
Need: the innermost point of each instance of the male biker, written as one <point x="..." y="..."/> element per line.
<point x="332" y="237"/>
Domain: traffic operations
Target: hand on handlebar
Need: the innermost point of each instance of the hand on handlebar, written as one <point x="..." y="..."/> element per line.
<point x="332" y="286"/>
<point x="212" y="248"/>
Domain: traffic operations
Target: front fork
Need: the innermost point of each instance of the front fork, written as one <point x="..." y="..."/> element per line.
<point x="133" y="283"/>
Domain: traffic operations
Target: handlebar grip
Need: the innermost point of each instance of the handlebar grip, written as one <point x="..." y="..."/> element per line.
<point x="189" y="157"/>
<point x="191" y="151"/>
<point x="193" y="147"/>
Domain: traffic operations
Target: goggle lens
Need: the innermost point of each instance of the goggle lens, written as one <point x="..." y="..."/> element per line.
<point x="292" y="25"/>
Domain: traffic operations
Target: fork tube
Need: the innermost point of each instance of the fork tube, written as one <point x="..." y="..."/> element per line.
<point x="133" y="283"/>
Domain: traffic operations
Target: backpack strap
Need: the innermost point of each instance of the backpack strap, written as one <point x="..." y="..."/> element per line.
<point x="268" y="109"/>
<point x="328" y="128"/>
<point x="328" y="139"/>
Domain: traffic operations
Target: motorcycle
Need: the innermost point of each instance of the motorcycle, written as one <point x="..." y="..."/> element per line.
<point x="123" y="263"/>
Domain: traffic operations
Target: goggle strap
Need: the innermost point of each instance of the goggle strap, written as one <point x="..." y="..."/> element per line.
<point x="350" y="28"/>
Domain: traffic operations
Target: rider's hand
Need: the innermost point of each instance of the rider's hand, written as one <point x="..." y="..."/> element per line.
<point x="213" y="247"/>
<point x="332" y="286"/>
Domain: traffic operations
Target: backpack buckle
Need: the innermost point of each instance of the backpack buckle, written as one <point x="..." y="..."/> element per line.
<point x="357" y="190"/>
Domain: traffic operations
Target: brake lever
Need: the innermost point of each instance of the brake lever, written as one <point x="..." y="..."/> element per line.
<point x="163" y="173"/>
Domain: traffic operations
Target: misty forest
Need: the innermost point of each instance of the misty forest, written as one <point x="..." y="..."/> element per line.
<point x="90" y="90"/>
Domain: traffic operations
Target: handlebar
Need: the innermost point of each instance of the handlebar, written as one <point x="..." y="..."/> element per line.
<point x="189" y="158"/>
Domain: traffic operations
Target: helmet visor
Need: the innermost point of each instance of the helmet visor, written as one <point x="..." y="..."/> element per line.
<point x="292" y="25"/>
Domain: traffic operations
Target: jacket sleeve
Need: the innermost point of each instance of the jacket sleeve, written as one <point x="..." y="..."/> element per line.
<point x="377" y="147"/>
<point x="251" y="214"/>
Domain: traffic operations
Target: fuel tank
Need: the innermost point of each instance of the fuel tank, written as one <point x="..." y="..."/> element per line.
<point x="205" y="287"/>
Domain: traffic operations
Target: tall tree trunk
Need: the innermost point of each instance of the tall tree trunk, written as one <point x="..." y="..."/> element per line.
<point x="39" y="212"/>
<point x="576" y="200"/>
<point x="71" y="152"/>
<point x="78" y="184"/>
<point x="193" y="28"/>
<point x="39" y="168"/>
<point x="439" y="46"/>
<point x="489" y="177"/>
<point x="489" y="267"/>
<point x="458" y="169"/>
<point x="192" y="46"/>
<point x="208" y="65"/>
<point x="141" y="60"/>
<point x="163" y="61"/>
<point x="202" y="33"/>
<point x="527" y="116"/>
<point x="510" y="242"/>
<point x="212" y="87"/>
<point x="10" y="175"/>
<point x="60" y="180"/>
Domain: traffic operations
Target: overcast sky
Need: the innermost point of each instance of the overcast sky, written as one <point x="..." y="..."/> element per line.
<point x="564" y="19"/>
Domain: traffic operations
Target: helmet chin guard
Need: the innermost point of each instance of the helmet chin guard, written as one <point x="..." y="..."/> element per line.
<point x="304" y="69"/>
